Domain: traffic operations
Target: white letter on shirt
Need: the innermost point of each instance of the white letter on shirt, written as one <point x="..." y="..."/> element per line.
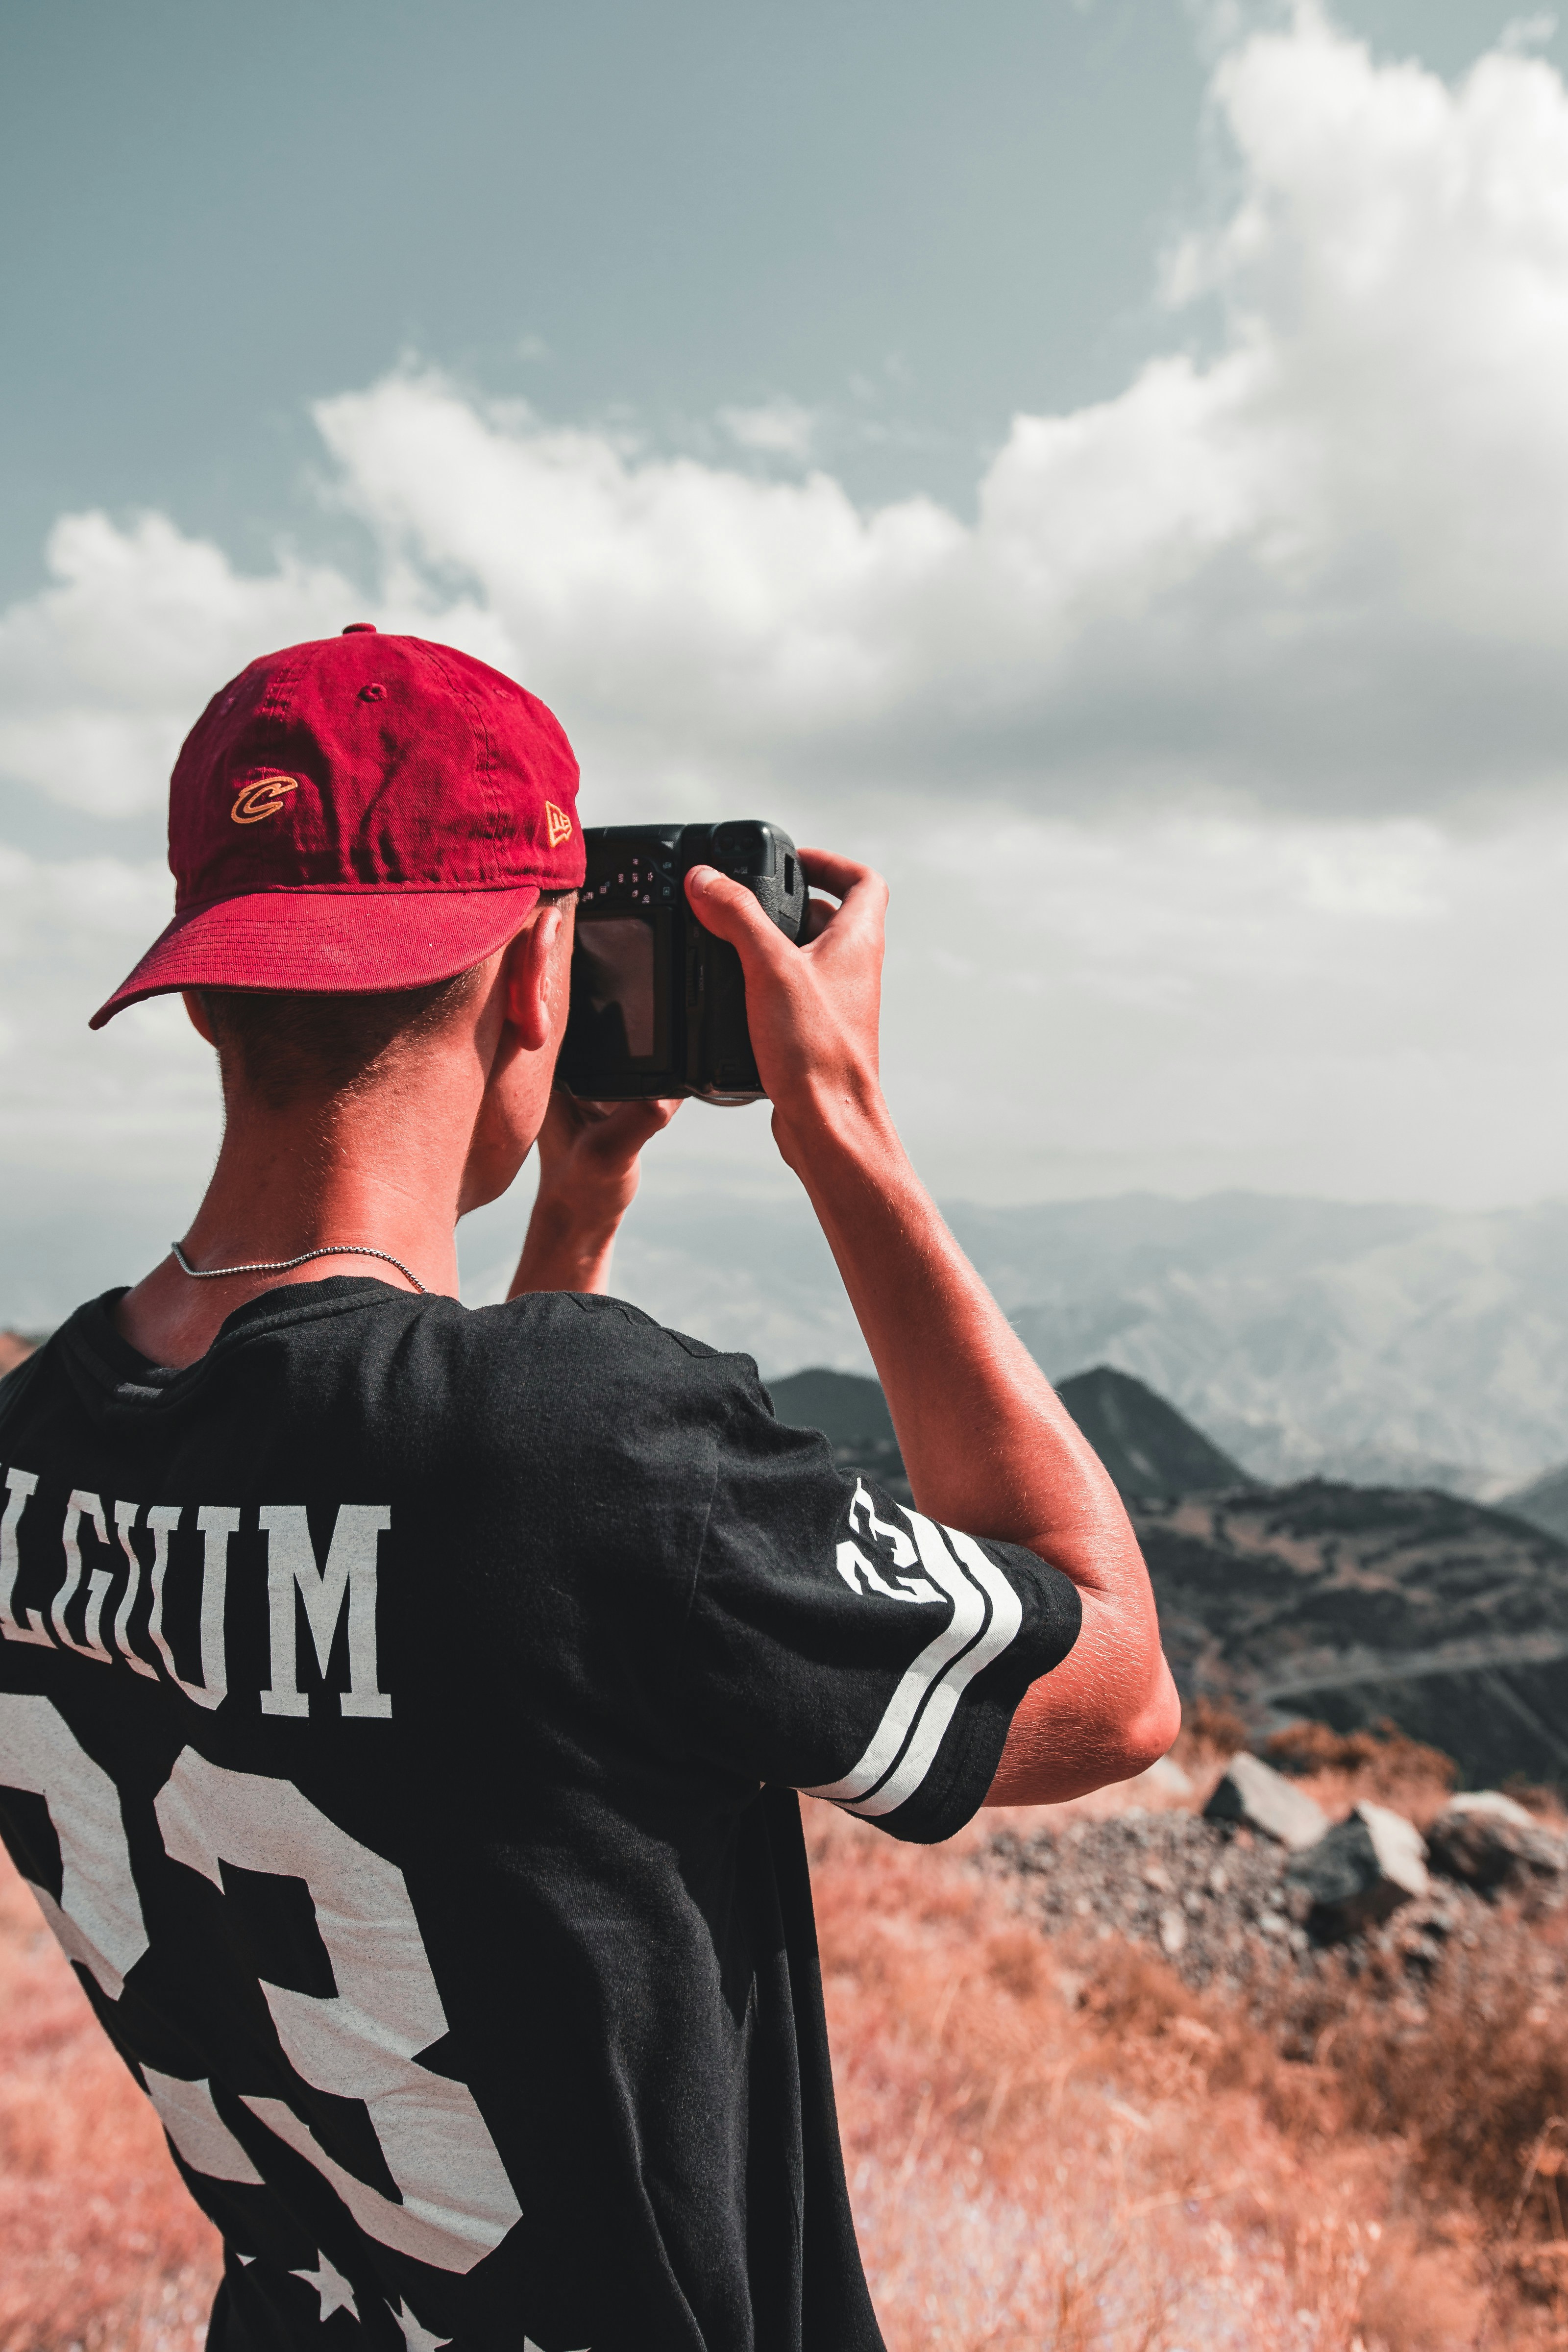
<point x="21" y="1484"/>
<point x="351" y="1569"/>
<point x="124" y="1520"/>
<point x="217" y="1522"/>
<point x="83" y="1504"/>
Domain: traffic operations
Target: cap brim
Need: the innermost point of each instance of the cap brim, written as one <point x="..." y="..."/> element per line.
<point x="338" y="942"/>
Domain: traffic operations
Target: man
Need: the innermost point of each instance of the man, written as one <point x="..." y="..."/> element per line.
<point x="401" y="1708"/>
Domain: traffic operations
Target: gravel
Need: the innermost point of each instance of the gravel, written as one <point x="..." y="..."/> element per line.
<point x="1214" y="1901"/>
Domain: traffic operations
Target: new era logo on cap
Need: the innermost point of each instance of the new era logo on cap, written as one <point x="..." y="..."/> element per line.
<point x="361" y="812"/>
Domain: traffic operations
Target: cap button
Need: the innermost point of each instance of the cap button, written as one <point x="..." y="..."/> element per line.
<point x="360" y="629"/>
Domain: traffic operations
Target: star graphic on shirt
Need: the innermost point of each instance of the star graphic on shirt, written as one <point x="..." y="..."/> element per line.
<point x="417" y="2339"/>
<point x="331" y="2286"/>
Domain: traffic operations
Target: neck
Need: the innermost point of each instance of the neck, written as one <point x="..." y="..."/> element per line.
<point x="383" y="1168"/>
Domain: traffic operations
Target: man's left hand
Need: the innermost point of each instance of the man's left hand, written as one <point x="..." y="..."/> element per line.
<point x="588" y="1171"/>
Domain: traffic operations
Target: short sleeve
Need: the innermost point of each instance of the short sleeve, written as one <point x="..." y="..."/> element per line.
<point x="842" y="1645"/>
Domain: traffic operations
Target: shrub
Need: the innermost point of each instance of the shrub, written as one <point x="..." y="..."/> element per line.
<point x="1385" y="1756"/>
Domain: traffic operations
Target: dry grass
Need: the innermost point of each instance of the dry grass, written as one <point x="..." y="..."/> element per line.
<point x="1049" y="2146"/>
<point x="1059" y="2146"/>
<point x="1382" y="1760"/>
<point x="99" y="2245"/>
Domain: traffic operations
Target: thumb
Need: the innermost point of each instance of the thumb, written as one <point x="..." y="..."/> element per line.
<point x="731" y="912"/>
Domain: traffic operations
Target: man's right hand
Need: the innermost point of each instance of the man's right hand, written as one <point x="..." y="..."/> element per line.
<point x="812" y="1010"/>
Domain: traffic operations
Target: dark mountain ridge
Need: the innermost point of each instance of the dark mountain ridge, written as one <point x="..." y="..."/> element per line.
<point x="1353" y="1605"/>
<point x="1150" y="1449"/>
<point x="1151" y="1452"/>
<point x="846" y="1406"/>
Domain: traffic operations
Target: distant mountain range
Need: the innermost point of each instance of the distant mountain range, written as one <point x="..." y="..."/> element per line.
<point x="1347" y="1604"/>
<point x="1386" y="1345"/>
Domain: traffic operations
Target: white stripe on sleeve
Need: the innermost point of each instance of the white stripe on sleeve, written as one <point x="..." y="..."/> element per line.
<point x="987" y="1615"/>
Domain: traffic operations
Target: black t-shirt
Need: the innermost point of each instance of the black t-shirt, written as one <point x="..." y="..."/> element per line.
<point x="400" y="1716"/>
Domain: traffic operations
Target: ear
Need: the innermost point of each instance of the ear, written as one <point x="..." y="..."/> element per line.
<point x="536" y="979"/>
<point x="197" y="1011"/>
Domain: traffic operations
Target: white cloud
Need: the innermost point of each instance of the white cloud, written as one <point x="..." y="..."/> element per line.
<point x="1326" y="567"/>
<point x="69" y="930"/>
<point x="1524" y="33"/>
<point x="778" y="428"/>
<point x="101" y="674"/>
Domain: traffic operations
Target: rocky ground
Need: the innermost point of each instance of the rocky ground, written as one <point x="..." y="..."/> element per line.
<point x="1216" y="1902"/>
<point x="1237" y="1909"/>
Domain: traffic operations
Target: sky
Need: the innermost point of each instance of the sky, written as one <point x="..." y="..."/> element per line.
<point x="1107" y="465"/>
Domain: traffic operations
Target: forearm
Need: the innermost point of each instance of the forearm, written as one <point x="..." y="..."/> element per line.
<point x="564" y="1250"/>
<point x="990" y="1448"/>
<point x="587" y="1182"/>
<point x="987" y="1444"/>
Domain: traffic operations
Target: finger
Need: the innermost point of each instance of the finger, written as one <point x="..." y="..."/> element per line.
<point x="845" y="877"/>
<point x="819" y="914"/>
<point x="861" y="916"/>
<point x="730" y="912"/>
<point x="655" y="1114"/>
<point x="628" y="1126"/>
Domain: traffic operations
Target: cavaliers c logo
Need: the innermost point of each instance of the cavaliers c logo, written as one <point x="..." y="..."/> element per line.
<point x="264" y="797"/>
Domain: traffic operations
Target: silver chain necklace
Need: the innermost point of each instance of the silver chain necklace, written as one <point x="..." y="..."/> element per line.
<point x="287" y="1265"/>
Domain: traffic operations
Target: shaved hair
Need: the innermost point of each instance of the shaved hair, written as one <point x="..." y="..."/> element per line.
<point x="283" y="1046"/>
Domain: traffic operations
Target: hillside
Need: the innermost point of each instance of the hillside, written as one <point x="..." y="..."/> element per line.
<point x="846" y="1406"/>
<point x="1351" y="1605"/>
<point x="852" y="1414"/>
<point x="1150" y="1449"/>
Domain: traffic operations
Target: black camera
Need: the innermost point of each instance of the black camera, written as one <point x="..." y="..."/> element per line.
<point x="659" y="1004"/>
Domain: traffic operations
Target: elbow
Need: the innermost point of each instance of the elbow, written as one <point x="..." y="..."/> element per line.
<point x="1102" y="1715"/>
<point x="1148" y="1733"/>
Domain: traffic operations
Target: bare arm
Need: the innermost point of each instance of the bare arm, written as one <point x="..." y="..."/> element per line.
<point x="987" y="1444"/>
<point x="587" y="1182"/>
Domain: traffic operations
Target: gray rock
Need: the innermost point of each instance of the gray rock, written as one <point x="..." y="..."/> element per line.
<point x="1361" y="1871"/>
<point x="1493" y="1804"/>
<point x="1254" y="1795"/>
<point x="1486" y="1841"/>
<point x="1173" y="1934"/>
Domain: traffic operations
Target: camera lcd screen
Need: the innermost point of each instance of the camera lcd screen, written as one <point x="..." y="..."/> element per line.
<point x="616" y="977"/>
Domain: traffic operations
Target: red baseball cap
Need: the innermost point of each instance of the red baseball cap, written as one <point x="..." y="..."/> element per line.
<point x="362" y="812"/>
